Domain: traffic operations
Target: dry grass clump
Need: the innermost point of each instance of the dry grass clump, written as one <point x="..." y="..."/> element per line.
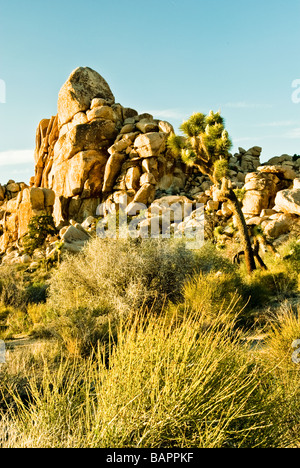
<point x="165" y="384"/>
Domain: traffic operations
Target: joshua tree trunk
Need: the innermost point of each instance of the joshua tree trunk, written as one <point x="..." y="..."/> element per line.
<point x="243" y="229"/>
<point x="225" y="192"/>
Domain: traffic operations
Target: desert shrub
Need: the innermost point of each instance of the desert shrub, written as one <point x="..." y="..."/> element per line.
<point x="284" y="330"/>
<point x="38" y="313"/>
<point x="39" y="228"/>
<point x="36" y="293"/>
<point x="165" y="386"/>
<point x="17" y="291"/>
<point x="80" y="330"/>
<point x="284" y="373"/>
<point x="18" y="288"/>
<point x="274" y="284"/>
<point x="209" y="259"/>
<point x="291" y="255"/>
<point x="124" y="274"/>
<point x="4" y="314"/>
<point x="12" y="288"/>
<point x="222" y="286"/>
<point x="215" y="296"/>
<point x="22" y="363"/>
<point x="17" y="322"/>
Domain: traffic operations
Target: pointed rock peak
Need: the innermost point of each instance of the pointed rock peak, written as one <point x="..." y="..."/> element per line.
<point x="76" y="95"/>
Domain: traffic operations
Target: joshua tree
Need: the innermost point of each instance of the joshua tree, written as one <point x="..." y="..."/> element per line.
<point x="206" y="145"/>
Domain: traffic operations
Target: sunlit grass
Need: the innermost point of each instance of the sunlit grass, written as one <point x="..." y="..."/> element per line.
<point x="165" y="384"/>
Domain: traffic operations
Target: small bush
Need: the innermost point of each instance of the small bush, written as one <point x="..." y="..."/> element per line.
<point x="124" y="274"/>
<point x="18" y="288"/>
<point x="291" y="256"/>
<point x="209" y="259"/>
<point x="274" y="284"/>
<point x="12" y="287"/>
<point x="36" y="293"/>
<point x="17" y="323"/>
<point x="38" y="313"/>
<point x="215" y="296"/>
<point x="39" y="228"/>
<point x="81" y="329"/>
<point x="284" y="330"/>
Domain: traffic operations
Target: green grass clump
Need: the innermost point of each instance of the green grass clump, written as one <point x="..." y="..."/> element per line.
<point x="18" y="288"/>
<point x="80" y="330"/>
<point x="215" y="296"/>
<point x="283" y="331"/>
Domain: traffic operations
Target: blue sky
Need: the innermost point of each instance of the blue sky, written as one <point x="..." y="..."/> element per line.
<point x="169" y="57"/>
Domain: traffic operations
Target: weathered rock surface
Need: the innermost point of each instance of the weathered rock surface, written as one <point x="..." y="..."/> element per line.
<point x="19" y="210"/>
<point x="278" y="227"/>
<point x="288" y="201"/>
<point x="76" y="95"/>
<point x="260" y="194"/>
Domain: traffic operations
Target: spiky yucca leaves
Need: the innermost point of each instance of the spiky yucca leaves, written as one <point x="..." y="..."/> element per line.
<point x="205" y="142"/>
<point x="176" y="144"/>
<point x="194" y="126"/>
<point x="221" y="170"/>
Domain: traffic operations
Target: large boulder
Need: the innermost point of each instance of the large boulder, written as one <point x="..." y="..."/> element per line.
<point x="260" y="194"/>
<point x="278" y="227"/>
<point x="95" y="135"/>
<point x="283" y="172"/>
<point x="112" y="169"/>
<point x="76" y="95"/>
<point x="150" y="144"/>
<point x="33" y="202"/>
<point x="81" y="175"/>
<point x="288" y="201"/>
<point x="75" y="233"/>
<point x="94" y="148"/>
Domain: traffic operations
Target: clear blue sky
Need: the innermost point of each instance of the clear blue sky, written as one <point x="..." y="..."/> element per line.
<point x="170" y="57"/>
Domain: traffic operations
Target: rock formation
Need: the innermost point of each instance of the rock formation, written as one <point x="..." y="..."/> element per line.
<point x="18" y="207"/>
<point x="95" y="151"/>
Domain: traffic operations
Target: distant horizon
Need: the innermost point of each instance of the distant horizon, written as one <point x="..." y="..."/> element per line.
<point x="170" y="60"/>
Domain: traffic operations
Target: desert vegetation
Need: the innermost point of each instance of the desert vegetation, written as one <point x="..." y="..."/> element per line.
<point x="147" y="344"/>
<point x="116" y="338"/>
